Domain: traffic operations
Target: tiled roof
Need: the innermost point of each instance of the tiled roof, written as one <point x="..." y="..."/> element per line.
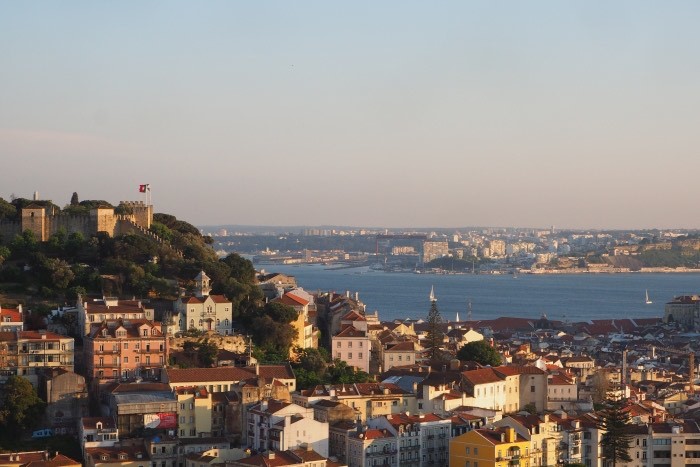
<point x="90" y="423"/>
<point x="350" y="331"/>
<point x="276" y="371"/>
<point x="482" y="376"/>
<point x="494" y="436"/>
<point x="518" y="370"/>
<point x="401" y="347"/>
<point x="194" y="375"/>
<point x="14" y="315"/>
<point x="373" y="434"/>
<point x="37" y="458"/>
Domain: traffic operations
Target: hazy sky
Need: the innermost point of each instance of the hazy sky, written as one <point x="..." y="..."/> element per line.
<point x="577" y="114"/>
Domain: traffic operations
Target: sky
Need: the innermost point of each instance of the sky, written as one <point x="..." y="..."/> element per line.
<point x="580" y="114"/>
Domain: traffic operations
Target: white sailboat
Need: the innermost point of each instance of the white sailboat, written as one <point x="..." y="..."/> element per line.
<point x="647" y="301"/>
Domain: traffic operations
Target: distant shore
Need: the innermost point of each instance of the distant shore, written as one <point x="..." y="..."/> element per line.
<point x="661" y="270"/>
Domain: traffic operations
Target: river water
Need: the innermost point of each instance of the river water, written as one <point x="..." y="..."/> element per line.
<point x="561" y="297"/>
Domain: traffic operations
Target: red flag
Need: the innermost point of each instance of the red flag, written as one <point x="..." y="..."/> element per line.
<point x="144" y="188"/>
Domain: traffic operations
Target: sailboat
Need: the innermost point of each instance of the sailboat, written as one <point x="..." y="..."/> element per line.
<point x="647" y="301"/>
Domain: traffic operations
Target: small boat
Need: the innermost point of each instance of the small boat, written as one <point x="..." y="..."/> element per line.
<point x="647" y="301"/>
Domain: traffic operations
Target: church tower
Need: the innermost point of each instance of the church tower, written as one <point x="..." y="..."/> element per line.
<point x="202" y="285"/>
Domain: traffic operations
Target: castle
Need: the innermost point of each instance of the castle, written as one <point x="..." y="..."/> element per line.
<point x="44" y="220"/>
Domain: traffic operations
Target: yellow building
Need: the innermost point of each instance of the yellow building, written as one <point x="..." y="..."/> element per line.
<point x="486" y="447"/>
<point x="194" y="412"/>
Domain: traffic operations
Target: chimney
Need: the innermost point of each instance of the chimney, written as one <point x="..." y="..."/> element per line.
<point x="270" y="455"/>
<point x="510" y="435"/>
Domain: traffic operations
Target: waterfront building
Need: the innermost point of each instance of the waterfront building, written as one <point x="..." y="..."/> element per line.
<point x="683" y="310"/>
<point x="433" y="249"/>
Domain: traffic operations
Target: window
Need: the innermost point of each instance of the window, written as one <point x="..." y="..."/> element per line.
<point x="337" y="355"/>
<point x="126" y="345"/>
<point x="350" y="345"/>
<point x="350" y="356"/>
<point x="340" y="344"/>
<point x="532" y="388"/>
<point x="476" y="453"/>
<point x="359" y="355"/>
<point x="126" y="359"/>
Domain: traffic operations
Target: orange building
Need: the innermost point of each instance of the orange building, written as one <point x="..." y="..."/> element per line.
<point x="125" y="349"/>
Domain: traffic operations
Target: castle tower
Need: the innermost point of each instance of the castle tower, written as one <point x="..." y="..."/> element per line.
<point x="34" y="220"/>
<point x="142" y="213"/>
<point x="203" y="285"/>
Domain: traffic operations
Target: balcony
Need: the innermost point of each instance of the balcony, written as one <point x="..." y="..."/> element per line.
<point x="153" y="350"/>
<point x="383" y="452"/>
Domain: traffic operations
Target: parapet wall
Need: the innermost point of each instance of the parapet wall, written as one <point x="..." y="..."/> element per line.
<point x="236" y="343"/>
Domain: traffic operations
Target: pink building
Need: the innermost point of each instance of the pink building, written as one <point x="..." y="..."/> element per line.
<point x="125" y="349"/>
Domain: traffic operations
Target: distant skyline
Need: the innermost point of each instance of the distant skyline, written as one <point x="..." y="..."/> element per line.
<point x="573" y="114"/>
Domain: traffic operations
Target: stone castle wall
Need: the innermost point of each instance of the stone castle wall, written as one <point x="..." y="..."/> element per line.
<point x="44" y="225"/>
<point x="8" y="230"/>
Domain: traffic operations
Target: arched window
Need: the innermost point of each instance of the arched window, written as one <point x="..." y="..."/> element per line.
<point x="226" y="322"/>
<point x="218" y="322"/>
<point x="191" y="323"/>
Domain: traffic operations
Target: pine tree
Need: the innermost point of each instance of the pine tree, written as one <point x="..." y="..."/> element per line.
<point x="435" y="336"/>
<point x="615" y="442"/>
<point x="74" y="199"/>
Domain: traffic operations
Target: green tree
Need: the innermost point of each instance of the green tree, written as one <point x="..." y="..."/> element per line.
<point x="435" y="336"/>
<point x="20" y="406"/>
<point x="74" y="201"/>
<point x="616" y="440"/>
<point x="280" y="312"/>
<point x="207" y="353"/>
<point x="480" y="352"/>
<point x="7" y="210"/>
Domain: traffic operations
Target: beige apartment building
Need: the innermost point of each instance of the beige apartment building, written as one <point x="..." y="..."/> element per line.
<point x="26" y="353"/>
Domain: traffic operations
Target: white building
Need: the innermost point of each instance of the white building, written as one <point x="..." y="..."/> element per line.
<point x="278" y="425"/>
<point x="204" y="312"/>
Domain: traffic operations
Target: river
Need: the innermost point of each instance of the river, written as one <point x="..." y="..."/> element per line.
<point x="561" y="297"/>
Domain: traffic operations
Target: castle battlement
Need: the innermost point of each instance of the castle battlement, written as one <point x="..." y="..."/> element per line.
<point x="44" y="222"/>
